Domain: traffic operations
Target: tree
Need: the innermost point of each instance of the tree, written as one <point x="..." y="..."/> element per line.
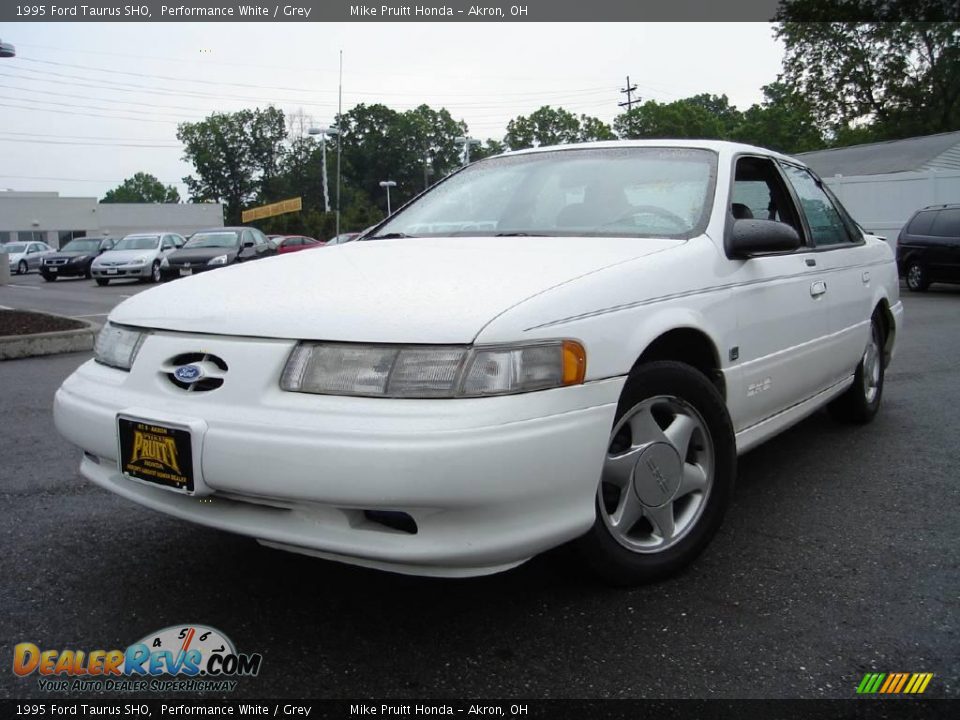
<point x="236" y="157"/>
<point x="546" y="126"/>
<point x="142" y="188"/>
<point x="896" y="78"/>
<point x="784" y="122"/>
<point x="700" y="116"/>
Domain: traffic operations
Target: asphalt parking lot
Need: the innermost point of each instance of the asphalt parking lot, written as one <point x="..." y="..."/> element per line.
<point x="839" y="557"/>
<point x="74" y="297"/>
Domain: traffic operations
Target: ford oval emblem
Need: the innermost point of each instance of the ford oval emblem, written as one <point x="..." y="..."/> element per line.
<point x="188" y="373"/>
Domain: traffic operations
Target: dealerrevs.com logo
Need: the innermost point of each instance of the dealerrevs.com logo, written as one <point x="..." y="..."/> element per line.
<point x="197" y="657"/>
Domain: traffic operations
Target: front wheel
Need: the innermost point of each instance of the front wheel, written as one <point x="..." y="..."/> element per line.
<point x="917" y="278"/>
<point x="48" y="277"/>
<point x="667" y="478"/>
<point x="102" y="282"/>
<point x="155" y="275"/>
<point x="22" y="267"/>
<point x="860" y="403"/>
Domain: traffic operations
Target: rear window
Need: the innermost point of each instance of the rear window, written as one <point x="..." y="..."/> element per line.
<point x="922" y="222"/>
<point x="947" y="223"/>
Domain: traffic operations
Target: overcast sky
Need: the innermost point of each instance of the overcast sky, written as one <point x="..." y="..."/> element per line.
<point x="85" y="105"/>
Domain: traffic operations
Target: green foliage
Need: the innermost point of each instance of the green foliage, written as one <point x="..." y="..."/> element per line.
<point x="874" y="80"/>
<point x="784" y="122"/>
<point x="554" y="126"/>
<point x="236" y="157"/>
<point x="701" y="116"/>
<point x="142" y="188"/>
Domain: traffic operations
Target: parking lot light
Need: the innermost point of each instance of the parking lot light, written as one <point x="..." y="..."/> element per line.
<point x="388" y="184"/>
<point x="324" y="133"/>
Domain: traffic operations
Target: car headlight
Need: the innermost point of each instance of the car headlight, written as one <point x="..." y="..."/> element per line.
<point x="117" y="346"/>
<point x="76" y="259"/>
<point x="139" y="261"/>
<point x="433" y="371"/>
<point x="218" y="260"/>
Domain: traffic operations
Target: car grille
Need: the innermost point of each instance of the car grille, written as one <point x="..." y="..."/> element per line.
<point x="57" y="261"/>
<point x="204" y="384"/>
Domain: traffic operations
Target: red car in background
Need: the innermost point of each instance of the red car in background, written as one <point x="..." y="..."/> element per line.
<point x="292" y="243"/>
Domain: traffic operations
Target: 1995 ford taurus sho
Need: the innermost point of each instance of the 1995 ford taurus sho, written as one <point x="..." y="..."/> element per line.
<point x="553" y="345"/>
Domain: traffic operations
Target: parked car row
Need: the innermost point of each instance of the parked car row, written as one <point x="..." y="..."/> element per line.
<point x="155" y="256"/>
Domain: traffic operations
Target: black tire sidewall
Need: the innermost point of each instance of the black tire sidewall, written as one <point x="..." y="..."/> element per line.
<point x="22" y="268"/>
<point x="612" y="560"/>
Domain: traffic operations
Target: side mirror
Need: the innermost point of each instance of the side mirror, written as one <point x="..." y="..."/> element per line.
<point x="758" y="237"/>
<point x="248" y="243"/>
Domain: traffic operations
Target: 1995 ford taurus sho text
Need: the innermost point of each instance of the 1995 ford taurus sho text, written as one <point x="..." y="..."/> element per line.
<point x="554" y="345"/>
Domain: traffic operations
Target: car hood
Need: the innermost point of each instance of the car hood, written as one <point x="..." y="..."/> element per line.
<point x="193" y="255"/>
<point x="416" y="290"/>
<point x="124" y="256"/>
<point x="60" y="254"/>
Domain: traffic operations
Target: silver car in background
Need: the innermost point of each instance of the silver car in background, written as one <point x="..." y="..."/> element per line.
<point x="136" y="256"/>
<point x="25" y="256"/>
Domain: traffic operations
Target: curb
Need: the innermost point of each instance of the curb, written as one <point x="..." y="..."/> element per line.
<point x="13" y="347"/>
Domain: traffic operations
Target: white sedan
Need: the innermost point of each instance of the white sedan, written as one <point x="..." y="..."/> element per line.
<point x="554" y="345"/>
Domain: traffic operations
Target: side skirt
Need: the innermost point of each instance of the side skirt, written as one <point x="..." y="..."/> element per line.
<point x="750" y="437"/>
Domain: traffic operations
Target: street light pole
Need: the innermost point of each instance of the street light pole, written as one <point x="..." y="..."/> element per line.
<point x="388" y="184"/>
<point x="324" y="133"/>
<point x="466" y="142"/>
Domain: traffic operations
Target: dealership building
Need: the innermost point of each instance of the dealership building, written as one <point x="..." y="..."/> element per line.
<point x="55" y="220"/>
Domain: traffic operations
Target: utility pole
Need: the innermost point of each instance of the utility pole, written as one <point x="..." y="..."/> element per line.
<point x="629" y="90"/>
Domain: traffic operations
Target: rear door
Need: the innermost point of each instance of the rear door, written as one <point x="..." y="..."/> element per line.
<point x="946" y="252"/>
<point x="848" y="264"/>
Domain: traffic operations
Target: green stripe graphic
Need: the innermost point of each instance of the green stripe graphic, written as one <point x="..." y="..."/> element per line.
<point x="863" y="683"/>
<point x="877" y="683"/>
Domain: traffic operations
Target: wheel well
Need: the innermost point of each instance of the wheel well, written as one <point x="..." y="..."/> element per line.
<point x="688" y="346"/>
<point x="889" y="327"/>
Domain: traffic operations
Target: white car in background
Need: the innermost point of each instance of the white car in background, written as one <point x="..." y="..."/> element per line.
<point x="553" y="345"/>
<point x="136" y="256"/>
<point x="25" y="256"/>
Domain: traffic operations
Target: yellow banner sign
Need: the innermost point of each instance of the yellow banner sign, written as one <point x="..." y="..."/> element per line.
<point x="277" y="208"/>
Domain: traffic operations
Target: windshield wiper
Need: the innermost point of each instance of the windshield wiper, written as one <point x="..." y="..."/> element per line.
<point x="389" y="236"/>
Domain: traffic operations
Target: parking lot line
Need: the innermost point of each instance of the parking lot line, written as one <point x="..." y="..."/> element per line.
<point x="23" y="287"/>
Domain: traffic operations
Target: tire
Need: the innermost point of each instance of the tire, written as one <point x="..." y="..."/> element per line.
<point x="88" y="273"/>
<point x="102" y="282"/>
<point x="671" y="462"/>
<point x="861" y="402"/>
<point x="22" y="268"/>
<point x="155" y="274"/>
<point x="48" y="277"/>
<point x="917" y="278"/>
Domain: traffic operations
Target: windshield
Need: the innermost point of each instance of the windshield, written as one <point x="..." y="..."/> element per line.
<point x="81" y="246"/>
<point x="213" y="240"/>
<point x="633" y="191"/>
<point x="14" y="247"/>
<point x="138" y="242"/>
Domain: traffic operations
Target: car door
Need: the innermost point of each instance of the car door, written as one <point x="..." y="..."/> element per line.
<point x="34" y="255"/>
<point x="946" y="255"/>
<point x="263" y="246"/>
<point x="781" y="311"/>
<point x="849" y="264"/>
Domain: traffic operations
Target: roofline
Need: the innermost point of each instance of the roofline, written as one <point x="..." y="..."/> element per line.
<point x="881" y="142"/>
<point x="700" y="144"/>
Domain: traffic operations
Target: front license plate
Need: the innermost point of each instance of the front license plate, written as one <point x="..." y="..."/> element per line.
<point x="51" y="269"/>
<point x="156" y="453"/>
<point x="111" y="272"/>
<point x="186" y="271"/>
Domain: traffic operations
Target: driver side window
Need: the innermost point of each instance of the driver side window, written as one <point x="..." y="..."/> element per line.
<point x="760" y="193"/>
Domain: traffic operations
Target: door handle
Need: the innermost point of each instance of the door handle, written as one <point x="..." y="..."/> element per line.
<point x="818" y="288"/>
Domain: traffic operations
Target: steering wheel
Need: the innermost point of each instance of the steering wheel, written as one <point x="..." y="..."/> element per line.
<point x="650" y="210"/>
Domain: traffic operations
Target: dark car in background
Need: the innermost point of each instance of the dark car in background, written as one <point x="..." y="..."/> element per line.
<point x="217" y="247"/>
<point x="928" y="248"/>
<point x="74" y="258"/>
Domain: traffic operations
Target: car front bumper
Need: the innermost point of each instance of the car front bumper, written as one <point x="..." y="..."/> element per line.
<point x="120" y="271"/>
<point x="489" y="482"/>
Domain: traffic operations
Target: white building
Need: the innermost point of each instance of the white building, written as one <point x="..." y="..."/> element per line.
<point x="55" y="220"/>
<point x="882" y="184"/>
